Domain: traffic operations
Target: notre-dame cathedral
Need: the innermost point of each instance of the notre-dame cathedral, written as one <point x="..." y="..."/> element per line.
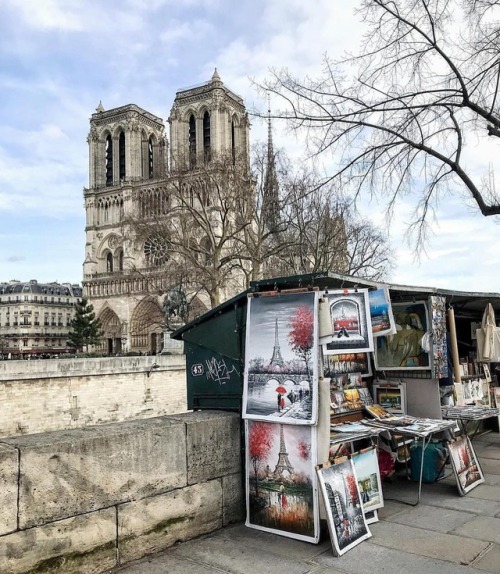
<point x="130" y="159"/>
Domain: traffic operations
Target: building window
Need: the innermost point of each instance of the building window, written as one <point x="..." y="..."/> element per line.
<point x="206" y="137"/>
<point x="121" y="154"/>
<point x="25" y="342"/>
<point x="192" y="141"/>
<point x="150" y="158"/>
<point x="233" y="143"/>
<point x="120" y="260"/>
<point x="109" y="263"/>
<point x="109" y="161"/>
<point x="156" y="251"/>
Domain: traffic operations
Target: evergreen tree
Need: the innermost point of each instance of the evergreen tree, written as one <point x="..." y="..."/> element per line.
<point x="85" y="327"/>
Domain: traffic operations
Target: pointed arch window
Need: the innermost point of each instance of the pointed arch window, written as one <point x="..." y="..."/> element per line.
<point x="120" y="260"/>
<point x="192" y="141"/>
<point x="233" y="142"/>
<point x="150" y="158"/>
<point x="109" y="263"/>
<point x="206" y="136"/>
<point x="121" y="154"/>
<point x="109" y="161"/>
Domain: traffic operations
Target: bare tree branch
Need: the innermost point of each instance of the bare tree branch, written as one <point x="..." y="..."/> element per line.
<point x="427" y="78"/>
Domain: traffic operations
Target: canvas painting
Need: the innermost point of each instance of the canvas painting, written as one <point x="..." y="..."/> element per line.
<point x="282" y="495"/>
<point x="465" y="464"/>
<point x="369" y="482"/>
<point x="391" y="397"/>
<point x="338" y="402"/>
<point x="365" y="397"/>
<point x="403" y="350"/>
<point x="353" y="400"/>
<point x="344" y="510"/>
<point x="349" y="314"/>
<point x="344" y="363"/>
<point x="281" y="366"/>
<point x="382" y="319"/>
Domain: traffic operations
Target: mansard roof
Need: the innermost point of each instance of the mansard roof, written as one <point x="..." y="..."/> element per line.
<point x="65" y="289"/>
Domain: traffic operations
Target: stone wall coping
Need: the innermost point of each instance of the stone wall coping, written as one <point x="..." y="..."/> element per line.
<point x="51" y="368"/>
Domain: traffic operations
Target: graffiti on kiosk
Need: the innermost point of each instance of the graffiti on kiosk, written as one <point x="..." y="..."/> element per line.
<point x="218" y="371"/>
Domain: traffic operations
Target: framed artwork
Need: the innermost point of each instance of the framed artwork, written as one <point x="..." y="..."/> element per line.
<point x="344" y="363"/>
<point x="382" y="319"/>
<point x="338" y="402"/>
<point x="281" y="366"/>
<point x="403" y="350"/>
<point x="496" y="401"/>
<point x="371" y="517"/>
<point x="391" y="397"/>
<point x="365" y="396"/>
<point x="281" y="484"/>
<point x="353" y="399"/>
<point x="369" y="482"/>
<point x="378" y="412"/>
<point x="349" y="315"/>
<point x="465" y="464"/>
<point x="487" y="374"/>
<point x="344" y="510"/>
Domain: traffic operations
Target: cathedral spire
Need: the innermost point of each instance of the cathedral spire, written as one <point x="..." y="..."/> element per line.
<point x="270" y="200"/>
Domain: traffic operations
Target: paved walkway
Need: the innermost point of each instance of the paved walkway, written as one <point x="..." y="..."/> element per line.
<point x="444" y="534"/>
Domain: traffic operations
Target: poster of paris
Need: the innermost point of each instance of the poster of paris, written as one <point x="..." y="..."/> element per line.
<point x="281" y="358"/>
<point x="346" y="520"/>
<point x="281" y="483"/>
<point x="350" y="323"/>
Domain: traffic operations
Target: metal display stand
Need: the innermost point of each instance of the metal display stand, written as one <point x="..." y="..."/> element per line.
<point x="466" y="416"/>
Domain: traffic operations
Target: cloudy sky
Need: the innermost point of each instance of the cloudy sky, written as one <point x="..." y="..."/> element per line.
<point x="59" y="58"/>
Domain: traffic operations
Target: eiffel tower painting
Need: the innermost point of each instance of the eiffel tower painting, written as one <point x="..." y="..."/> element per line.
<point x="276" y="359"/>
<point x="283" y="464"/>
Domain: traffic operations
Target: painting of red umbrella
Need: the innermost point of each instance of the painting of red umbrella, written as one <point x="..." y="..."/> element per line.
<point x="281" y="389"/>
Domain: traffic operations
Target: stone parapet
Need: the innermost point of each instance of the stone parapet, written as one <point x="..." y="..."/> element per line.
<point x="52" y="368"/>
<point x="89" y="499"/>
<point x="52" y="395"/>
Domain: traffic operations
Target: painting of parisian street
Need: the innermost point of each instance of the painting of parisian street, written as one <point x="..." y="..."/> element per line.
<point x="281" y="489"/>
<point x="281" y="358"/>
<point x="346" y="521"/>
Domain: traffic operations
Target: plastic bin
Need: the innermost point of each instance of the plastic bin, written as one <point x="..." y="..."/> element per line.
<point x="434" y="461"/>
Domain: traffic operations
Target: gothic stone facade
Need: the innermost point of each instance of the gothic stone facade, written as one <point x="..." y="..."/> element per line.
<point x="130" y="160"/>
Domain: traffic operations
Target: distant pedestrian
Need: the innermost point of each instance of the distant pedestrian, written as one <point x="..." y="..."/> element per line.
<point x="279" y="401"/>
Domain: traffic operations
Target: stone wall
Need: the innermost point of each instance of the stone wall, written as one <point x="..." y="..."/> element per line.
<point x="88" y="499"/>
<point x="47" y="395"/>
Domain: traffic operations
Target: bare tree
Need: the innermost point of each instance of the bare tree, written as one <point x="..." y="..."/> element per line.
<point x="272" y="213"/>
<point x="196" y="231"/>
<point x="403" y="114"/>
<point x="329" y="235"/>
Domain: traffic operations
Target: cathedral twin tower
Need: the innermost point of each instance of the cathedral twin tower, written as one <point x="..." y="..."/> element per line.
<point x="130" y="161"/>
